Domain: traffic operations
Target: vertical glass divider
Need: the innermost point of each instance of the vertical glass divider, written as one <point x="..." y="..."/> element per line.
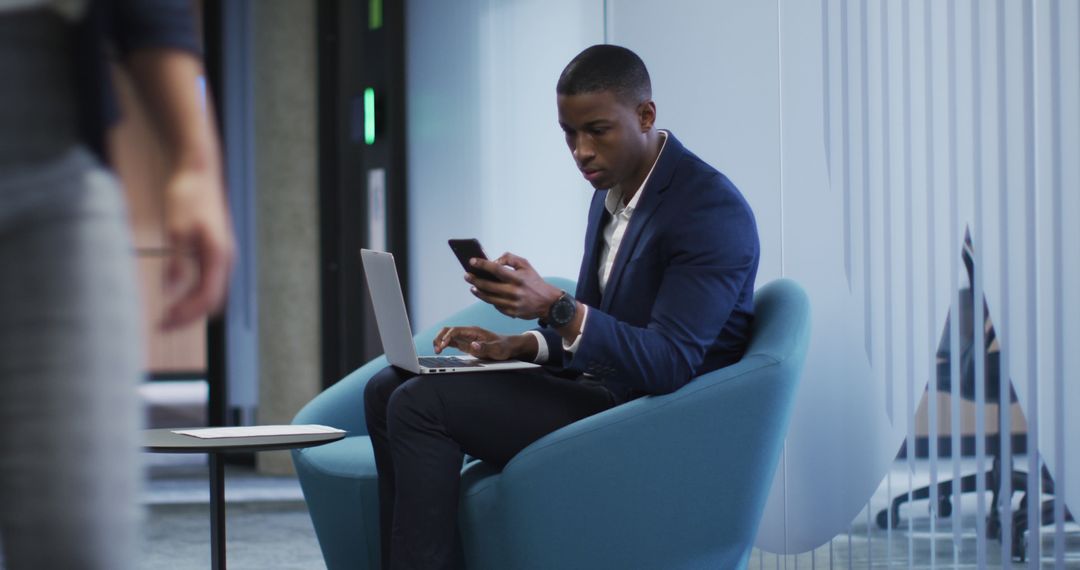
<point x="977" y="293"/>
<point x="1058" y="219"/>
<point x="954" y="289"/>
<point x="1034" y="526"/>
<point x="1002" y="314"/>
<point x="931" y="297"/>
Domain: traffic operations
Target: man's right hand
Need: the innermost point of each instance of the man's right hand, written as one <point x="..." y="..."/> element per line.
<point x="197" y="224"/>
<point x="485" y="344"/>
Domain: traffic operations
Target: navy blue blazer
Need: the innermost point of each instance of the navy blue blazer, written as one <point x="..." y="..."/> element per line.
<point x="680" y="297"/>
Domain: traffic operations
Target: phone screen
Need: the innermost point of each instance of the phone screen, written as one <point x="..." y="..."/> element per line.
<point x="466" y="249"/>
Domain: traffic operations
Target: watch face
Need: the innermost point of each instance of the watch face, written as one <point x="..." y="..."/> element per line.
<point x="562" y="312"/>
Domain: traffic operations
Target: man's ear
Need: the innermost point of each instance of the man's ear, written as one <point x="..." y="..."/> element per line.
<point x="646" y="115"/>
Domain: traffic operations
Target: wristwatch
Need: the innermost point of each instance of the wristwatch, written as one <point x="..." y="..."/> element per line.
<point x="562" y="311"/>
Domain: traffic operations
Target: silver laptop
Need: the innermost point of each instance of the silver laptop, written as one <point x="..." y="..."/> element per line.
<point x="397" y="337"/>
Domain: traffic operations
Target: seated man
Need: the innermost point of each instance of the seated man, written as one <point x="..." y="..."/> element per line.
<point x="665" y="294"/>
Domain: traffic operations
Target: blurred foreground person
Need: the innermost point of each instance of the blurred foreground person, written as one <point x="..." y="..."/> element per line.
<point x="71" y="351"/>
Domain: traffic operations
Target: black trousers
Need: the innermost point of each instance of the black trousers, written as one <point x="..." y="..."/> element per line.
<point x="421" y="427"/>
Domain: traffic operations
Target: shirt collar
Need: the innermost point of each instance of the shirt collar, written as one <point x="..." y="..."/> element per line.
<point x="613" y="201"/>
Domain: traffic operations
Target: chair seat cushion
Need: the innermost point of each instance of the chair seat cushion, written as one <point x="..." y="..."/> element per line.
<point x="342" y="492"/>
<point x="350" y="458"/>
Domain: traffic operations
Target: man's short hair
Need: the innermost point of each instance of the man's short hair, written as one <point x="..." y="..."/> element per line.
<point x="607" y="67"/>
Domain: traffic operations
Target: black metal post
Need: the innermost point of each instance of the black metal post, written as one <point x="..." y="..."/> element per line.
<point x="217" y="512"/>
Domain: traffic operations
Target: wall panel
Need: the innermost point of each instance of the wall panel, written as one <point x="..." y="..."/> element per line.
<point x="486" y="156"/>
<point x="716" y="86"/>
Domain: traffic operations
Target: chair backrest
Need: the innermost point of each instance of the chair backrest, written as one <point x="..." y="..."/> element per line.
<point x="756" y="396"/>
<point x="781" y="322"/>
<point x="966" y="322"/>
<point x="686" y="474"/>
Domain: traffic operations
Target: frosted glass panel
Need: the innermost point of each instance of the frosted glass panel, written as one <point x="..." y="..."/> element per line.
<point x="950" y="127"/>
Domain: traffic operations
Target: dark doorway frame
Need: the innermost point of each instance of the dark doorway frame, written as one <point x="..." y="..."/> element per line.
<point x="361" y="45"/>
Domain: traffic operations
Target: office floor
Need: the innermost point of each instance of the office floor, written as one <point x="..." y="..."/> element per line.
<point x="871" y="547"/>
<point x="267" y="523"/>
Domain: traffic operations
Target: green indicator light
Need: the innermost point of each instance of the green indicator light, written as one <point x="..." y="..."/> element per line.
<point x="369" y="115"/>
<point x="374" y="14"/>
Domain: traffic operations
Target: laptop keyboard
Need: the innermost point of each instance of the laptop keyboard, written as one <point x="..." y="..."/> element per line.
<point x="448" y="362"/>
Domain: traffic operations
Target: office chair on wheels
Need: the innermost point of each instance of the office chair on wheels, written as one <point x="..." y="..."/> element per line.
<point x="992" y="391"/>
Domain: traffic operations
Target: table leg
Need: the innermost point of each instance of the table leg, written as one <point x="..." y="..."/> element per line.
<point x="217" y="512"/>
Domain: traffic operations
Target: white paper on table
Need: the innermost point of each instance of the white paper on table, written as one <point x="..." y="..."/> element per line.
<point x="257" y="431"/>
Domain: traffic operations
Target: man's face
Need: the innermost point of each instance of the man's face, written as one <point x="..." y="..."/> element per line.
<point x="606" y="136"/>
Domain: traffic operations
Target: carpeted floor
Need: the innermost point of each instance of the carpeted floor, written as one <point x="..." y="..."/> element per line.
<point x="267" y="524"/>
<point x="259" y="536"/>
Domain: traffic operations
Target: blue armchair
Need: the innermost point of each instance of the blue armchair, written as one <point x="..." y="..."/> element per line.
<point x="672" y="481"/>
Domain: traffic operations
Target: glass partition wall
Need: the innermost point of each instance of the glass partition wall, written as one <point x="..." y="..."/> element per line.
<point x="941" y="153"/>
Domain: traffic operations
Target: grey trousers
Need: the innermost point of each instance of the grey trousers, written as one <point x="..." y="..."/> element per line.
<point x="70" y="360"/>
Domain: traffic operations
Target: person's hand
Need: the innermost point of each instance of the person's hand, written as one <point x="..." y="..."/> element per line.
<point x="520" y="292"/>
<point x="485" y="344"/>
<point x="197" y="226"/>
<point x="196" y="220"/>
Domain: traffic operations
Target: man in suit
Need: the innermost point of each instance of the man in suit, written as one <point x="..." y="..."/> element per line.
<point x="665" y="294"/>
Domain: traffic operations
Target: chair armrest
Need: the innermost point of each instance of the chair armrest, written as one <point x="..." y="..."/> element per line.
<point x="643" y="419"/>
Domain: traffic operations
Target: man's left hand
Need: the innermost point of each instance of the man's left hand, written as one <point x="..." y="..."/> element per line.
<point x="520" y="292"/>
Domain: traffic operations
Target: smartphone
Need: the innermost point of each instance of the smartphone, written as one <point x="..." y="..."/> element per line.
<point x="466" y="249"/>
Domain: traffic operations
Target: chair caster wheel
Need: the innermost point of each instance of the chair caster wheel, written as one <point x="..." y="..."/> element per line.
<point x="1019" y="543"/>
<point x="1019" y="549"/>
<point x="993" y="528"/>
<point x="883" y="519"/>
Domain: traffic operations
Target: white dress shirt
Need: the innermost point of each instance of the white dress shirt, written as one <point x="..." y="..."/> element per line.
<point x="613" y="235"/>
